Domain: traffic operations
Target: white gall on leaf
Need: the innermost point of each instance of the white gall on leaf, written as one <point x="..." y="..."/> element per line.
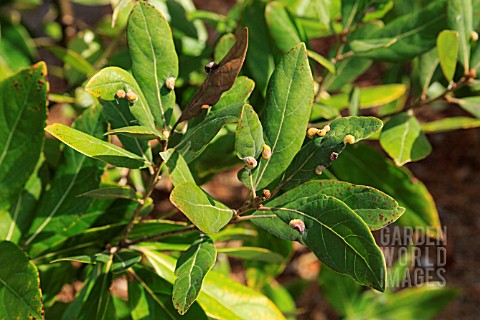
<point x="298" y="225"/>
<point x="170" y="83"/>
<point x="250" y="162"/>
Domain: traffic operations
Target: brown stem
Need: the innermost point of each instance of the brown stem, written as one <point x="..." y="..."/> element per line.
<point x="422" y="102"/>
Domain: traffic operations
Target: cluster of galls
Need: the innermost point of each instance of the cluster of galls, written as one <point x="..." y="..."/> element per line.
<point x="251" y="162"/>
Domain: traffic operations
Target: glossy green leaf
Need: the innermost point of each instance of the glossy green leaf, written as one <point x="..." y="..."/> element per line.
<point x="17" y="50"/>
<point x="450" y="124"/>
<point x="289" y="104"/>
<point x="363" y="165"/>
<point x="281" y="26"/>
<point x="425" y="66"/>
<point x="139" y="132"/>
<point x="353" y="11"/>
<point x="322" y="61"/>
<point x="367" y="45"/>
<point x="17" y="213"/>
<point x="197" y="139"/>
<point x="22" y="119"/>
<point x="354" y="104"/>
<point x="98" y="304"/>
<point x="415" y="33"/>
<point x="320" y="111"/>
<point x="218" y="292"/>
<point x="369" y="96"/>
<point x="253" y="254"/>
<point x="96" y="148"/>
<point x="447" y="48"/>
<point x="177" y="167"/>
<point x="105" y="84"/>
<point x="260" y="61"/>
<point x="119" y="116"/>
<point x="239" y="93"/>
<point x="124" y="192"/>
<point x="318" y="152"/>
<point x="76" y="174"/>
<point x="150" y="297"/>
<point x="20" y="294"/>
<point x="340" y="290"/>
<point x="470" y="104"/>
<point x="219" y="79"/>
<point x="192" y="267"/>
<point x="337" y="236"/>
<point x="376" y="208"/>
<point x="73" y="59"/>
<point x="249" y="134"/>
<point x="154" y="59"/>
<point x="402" y="138"/>
<point x="460" y="19"/>
<point x="208" y="214"/>
<point x="224" y="44"/>
<point x="422" y="302"/>
<point x="346" y="71"/>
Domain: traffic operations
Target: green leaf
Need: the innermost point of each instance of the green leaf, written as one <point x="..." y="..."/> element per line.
<point x="450" y="124"/>
<point x="139" y="132"/>
<point x="375" y="207"/>
<point x="60" y="207"/>
<point x="17" y="213"/>
<point x="192" y="266"/>
<point x="363" y="165"/>
<point x="460" y="19"/>
<point x="238" y="94"/>
<point x="105" y="84"/>
<point x="260" y="61"/>
<point x="367" y="45"/>
<point x="318" y="152"/>
<point x="369" y="96"/>
<point x="327" y="64"/>
<point x="253" y="254"/>
<point x="422" y="302"/>
<point x="17" y="50"/>
<point x="346" y="71"/>
<point x="177" y="167"/>
<point x="415" y="33"/>
<point x="354" y="104"/>
<point x="96" y="148"/>
<point x="218" y="292"/>
<point x="119" y="116"/>
<point x="22" y="119"/>
<point x="197" y="139"/>
<point x="224" y="44"/>
<point x="154" y="59"/>
<point x="21" y="297"/>
<point x="249" y="135"/>
<point x="425" y="67"/>
<point x="353" y="11"/>
<point x="219" y="79"/>
<point x="150" y="297"/>
<point x="208" y="214"/>
<point x="289" y="104"/>
<point x="73" y="59"/>
<point x="470" y="104"/>
<point x="402" y="138"/>
<point x="281" y="26"/>
<point x="124" y="192"/>
<point x="447" y="47"/>
<point x="340" y="290"/>
<point x="98" y="304"/>
<point x="338" y="237"/>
